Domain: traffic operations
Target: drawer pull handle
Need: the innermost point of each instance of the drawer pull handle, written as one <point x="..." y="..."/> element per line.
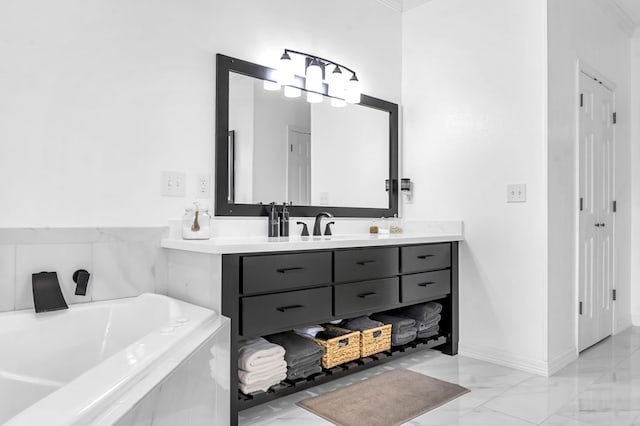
<point x="377" y="334"/>
<point x="285" y="270"/>
<point x="426" y="284"/>
<point x="288" y="308"/>
<point x="365" y="295"/>
<point x="424" y="256"/>
<point x="364" y="262"/>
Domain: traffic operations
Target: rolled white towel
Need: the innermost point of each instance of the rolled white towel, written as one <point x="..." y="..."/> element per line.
<point x="249" y="377"/>
<point x="256" y="353"/>
<point x="261" y="386"/>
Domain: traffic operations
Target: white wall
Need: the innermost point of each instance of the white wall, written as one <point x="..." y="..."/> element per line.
<point x="474" y="106"/>
<point x="580" y="30"/>
<point x="98" y="97"/>
<point x="635" y="182"/>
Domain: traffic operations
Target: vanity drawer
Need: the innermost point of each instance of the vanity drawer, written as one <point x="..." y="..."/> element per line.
<point x="425" y="257"/>
<point x="273" y="312"/>
<point x="365" y="263"/>
<point x="422" y="286"/>
<point x="365" y="296"/>
<point x="263" y="274"/>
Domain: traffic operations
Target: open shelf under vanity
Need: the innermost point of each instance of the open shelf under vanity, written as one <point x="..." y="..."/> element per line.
<point x="288" y="387"/>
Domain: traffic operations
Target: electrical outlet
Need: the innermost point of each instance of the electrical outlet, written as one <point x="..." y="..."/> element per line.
<point x="203" y="185"/>
<point x="172" y="184"/>
<point x="516" y="193"/>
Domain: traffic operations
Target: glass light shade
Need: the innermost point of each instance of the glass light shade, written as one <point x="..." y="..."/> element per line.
<point x="314" y="98"/>
<point x="286" y="74"/>
<point x="339" y="103"/>
<point x="336" y="83"/>
<point x="314" y="77"/>
<point x="353" y="90"/>
<point x="292" y="92"/>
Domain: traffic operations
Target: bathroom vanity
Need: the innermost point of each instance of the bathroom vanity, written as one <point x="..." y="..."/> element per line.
<point x="272" y="285"/>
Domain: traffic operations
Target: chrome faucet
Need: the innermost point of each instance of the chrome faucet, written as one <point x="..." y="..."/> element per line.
<point x="316" y="226"/>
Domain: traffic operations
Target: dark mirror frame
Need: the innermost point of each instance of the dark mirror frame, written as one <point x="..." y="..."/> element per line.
<point x="223" y="204"/>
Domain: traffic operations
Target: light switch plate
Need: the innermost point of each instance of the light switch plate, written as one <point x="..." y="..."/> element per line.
<point x="516" y="193"/>
<point x="172" y="184"/>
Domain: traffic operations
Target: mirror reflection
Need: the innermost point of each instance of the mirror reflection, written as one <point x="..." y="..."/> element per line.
<point x="286" y="149"/>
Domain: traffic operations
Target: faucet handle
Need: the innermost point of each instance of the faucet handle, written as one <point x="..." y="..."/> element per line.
<point x="81" y="278"/>
<point x="327" y="229"/>
<point x="305" y="230"/>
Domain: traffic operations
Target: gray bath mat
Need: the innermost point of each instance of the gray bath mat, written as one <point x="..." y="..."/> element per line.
<point x="390" y="399"/>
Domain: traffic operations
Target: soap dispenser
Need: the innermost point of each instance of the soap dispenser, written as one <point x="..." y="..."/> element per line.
<point x="284" y="221"/>
<point x="273" y="221"/>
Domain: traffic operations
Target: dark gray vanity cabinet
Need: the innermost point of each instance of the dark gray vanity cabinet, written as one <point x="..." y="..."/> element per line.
<point x="266" y="293"/>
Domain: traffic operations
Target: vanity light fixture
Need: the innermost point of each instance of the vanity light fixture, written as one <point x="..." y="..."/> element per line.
<point x="342" y="84"/>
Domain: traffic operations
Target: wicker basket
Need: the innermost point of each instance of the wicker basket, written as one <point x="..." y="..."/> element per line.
<point x="340" y="349"/>
<point x="374" y="340"/>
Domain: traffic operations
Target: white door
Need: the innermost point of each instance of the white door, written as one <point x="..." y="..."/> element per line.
<point x="299" y="167"/>
<point x="596" y="223"/>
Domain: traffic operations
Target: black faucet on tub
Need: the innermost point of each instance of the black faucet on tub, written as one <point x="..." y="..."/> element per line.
<point x="316" y="226"/>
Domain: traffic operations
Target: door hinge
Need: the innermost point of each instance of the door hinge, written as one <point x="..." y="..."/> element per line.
<point x="615" y="206"/>
<point x="614" y="294"/>
<point x="581" y="100"/>
<point x="291" y="147"/>
<point x="580" y="308"/>
<point x="581" y="203"/>
<point x="615" y="117"/>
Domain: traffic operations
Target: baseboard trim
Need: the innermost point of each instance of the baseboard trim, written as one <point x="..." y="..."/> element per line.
<point x="494" y="356"/>
<point x="529" y="365"/>
<point x="562" y="361"/>
<point x="635" y="319"/>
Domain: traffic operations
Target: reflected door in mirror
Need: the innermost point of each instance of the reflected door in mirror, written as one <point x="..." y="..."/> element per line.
<point x="299" y="167"/>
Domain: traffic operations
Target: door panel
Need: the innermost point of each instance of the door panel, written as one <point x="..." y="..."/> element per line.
<point x="299" y="167"/>
<point x="596" y="188"/>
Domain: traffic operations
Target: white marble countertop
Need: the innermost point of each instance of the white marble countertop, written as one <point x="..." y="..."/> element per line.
<point x="256" y="244"/>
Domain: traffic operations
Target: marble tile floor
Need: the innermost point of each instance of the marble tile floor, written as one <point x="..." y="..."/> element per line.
<point x="601" y="388"/>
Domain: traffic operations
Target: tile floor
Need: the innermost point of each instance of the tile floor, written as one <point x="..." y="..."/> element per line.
<point x="600" y="388"/>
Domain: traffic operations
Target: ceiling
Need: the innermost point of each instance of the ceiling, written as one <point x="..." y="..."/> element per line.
<point x="625" y="12"/>
<point x="632" y="9"/>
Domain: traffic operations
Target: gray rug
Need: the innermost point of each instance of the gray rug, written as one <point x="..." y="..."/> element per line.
<point x="390" y="399"/>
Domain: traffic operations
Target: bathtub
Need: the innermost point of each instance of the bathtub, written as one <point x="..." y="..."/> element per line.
<point x="116" y="362"/>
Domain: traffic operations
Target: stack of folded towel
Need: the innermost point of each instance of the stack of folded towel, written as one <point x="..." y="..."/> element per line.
<point x="361" y="323"/>
<point x="302" y="354"/>
<point x="427" y="317"/>
<point x="260" y="365"/>
<point x="403" y="330"/>
<point x="309" y="331"/>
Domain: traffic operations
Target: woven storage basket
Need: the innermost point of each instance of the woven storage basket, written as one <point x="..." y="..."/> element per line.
<point x="374" y="340"/>
<point x="340" y="349"/>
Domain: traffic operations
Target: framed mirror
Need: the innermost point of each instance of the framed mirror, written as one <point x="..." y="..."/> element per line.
<point x="273" y="148"/>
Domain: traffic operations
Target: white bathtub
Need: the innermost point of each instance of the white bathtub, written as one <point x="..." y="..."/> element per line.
<point x="107" y="362"/>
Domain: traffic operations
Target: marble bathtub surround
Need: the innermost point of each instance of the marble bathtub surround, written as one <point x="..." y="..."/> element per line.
<point x="123" y="262"/>
<point x="602" y="387"/>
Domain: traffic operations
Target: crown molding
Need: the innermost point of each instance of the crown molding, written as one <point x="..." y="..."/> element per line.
<point x="392" y="4"/>
<point x="620" y="15"/>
